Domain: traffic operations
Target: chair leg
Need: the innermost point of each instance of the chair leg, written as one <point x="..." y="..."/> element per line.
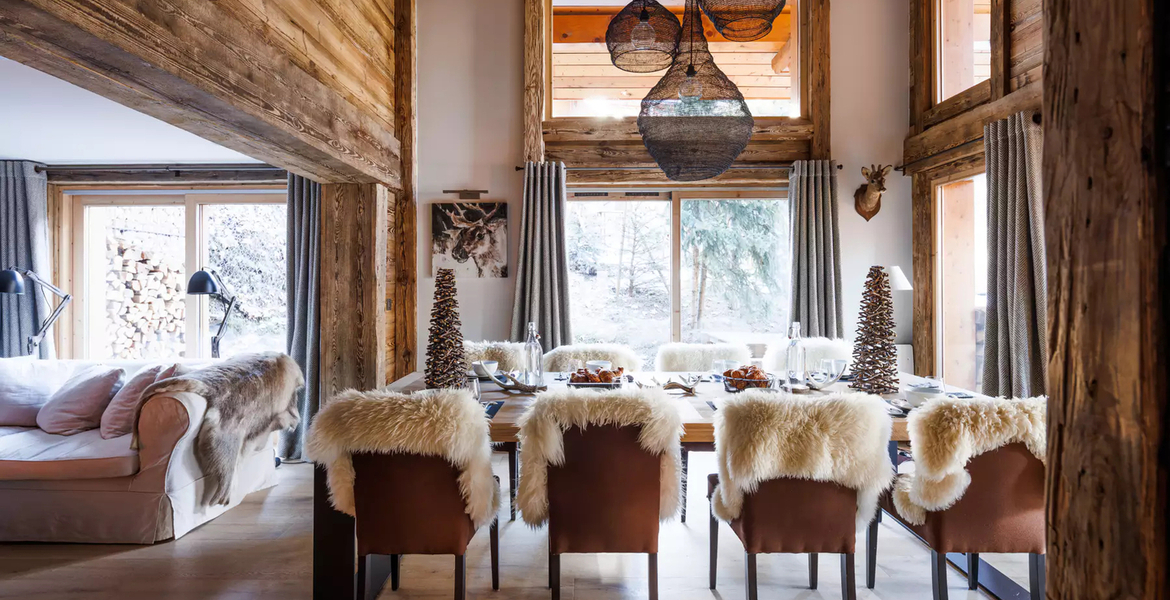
<point x="554" y="575"/>
<point x="938" y="574"/>
<point x="848" y="577"/>
<point x="813" y="563"/>
<point x="972" y="570"/>
<point x="494" y="547"/>
<point x="653" y="577"/>
<point x="685" y="461"/>
<point x="513" y="476"/>
<point x="395" y="571"/>
<point x="460" y="577"/>
<point x="871" y="537"/>
<point x="750" y="567"/>
<point x="1036" y="570"/>
<point x="362" y="577"/>
<point x="713" y="543"/>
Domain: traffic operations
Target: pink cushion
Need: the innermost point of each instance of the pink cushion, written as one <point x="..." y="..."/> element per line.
<point x="26" y="384"/>
<point x="118" y="418"/>
<point x="79" y="404"/>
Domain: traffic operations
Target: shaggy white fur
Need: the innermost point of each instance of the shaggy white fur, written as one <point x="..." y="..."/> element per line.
<point x="698" y="357"/>
<point x="815" y="350"/>
<point x="841" y="438"/>
<point x="446" y="423"/>
<point x="510" y="355"/>
<point x="573" y="356"/>
<point x="946" y="433"/>
<point x="542" y="430"/>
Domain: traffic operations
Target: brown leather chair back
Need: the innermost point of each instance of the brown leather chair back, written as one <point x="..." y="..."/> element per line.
<point x="1001" y="511"/>
<point x="798" y="516"/>
<point x="409" y="504"/>
<point x="605" y="496"/>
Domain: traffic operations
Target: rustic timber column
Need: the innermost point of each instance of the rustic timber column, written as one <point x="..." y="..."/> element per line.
<point x="354" y="226"/>
<point x="1105" y="167"/>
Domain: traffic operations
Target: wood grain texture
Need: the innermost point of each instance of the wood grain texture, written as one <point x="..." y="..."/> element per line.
<point x="654" y="177"/>
<point x="1106" y="203"/>
<point x="968" y="126"/>
<point x="958" y="104"/>
<point x="535" y="76"/>
<point x="922" y="54"/>
<point x="167" y="175"/>
<point x="923" y="214"/>
<point x="217" y="70"/>
<point x="956" y="159"/>
<point x="816" y="87"/>
<point x="1000" y="49"/>
<point x="402" y="273"/>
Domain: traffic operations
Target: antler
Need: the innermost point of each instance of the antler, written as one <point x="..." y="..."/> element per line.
<point x="458" y="217"/>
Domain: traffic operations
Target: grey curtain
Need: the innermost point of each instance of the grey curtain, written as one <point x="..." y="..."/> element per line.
<point x="542" y="276"/>
<point x="1015" y="355"/>
<point x="304" y="303"/>
<point x="816" y="248"/>
<point x="24" y="243"/>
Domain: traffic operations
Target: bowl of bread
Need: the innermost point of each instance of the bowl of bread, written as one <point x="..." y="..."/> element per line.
<point x="746" y="378"/>
<point x="605" y="379"/>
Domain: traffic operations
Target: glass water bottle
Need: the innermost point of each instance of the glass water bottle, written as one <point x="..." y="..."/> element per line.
<point x="533" y="358"/>
<point x="794" y="359"/>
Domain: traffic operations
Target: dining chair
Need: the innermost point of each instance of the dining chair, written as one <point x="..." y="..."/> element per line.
<point x="601" y="469"/>
<point x="682" y="357"/>
<point x="816" y="349"/>
<point x="510" y="356"/>
<point x="571" y="357"/>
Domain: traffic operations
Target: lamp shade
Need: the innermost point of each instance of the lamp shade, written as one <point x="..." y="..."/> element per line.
<point x="898" y="281"/>
<point x="743" y="20"/>
<point x="643" y="37"/>
<point x="202" y="283"/>
<point x="11" y="282"/>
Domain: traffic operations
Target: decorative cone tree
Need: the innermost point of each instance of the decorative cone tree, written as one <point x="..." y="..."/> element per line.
<point x="446" y="364"/>
<point x="875" y="360"/>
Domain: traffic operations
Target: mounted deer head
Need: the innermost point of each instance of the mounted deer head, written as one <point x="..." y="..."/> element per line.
<point x="868" y="198"/>
<point x="476" y="240"/>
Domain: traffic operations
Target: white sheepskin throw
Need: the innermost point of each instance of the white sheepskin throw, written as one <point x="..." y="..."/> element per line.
<point x="841" y="438"/>
<point x="510" y="355"/>
<point x="574" y="356"/>
<point x="946" y="433"/>
<point x="698" y="357"/>
<point x="542" y="430"/>
<point x="445" y="423"/>
<point x="815" y="350"/>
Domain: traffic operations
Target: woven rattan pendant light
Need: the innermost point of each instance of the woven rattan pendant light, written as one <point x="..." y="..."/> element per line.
<point x="742" y="20"/>
<point x="642" y="37"/>
<point x="694" y="121"/>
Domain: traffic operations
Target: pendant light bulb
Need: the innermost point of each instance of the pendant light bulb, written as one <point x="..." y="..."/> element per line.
<point x="691" y="88"/>
<point x="643" y="36"/>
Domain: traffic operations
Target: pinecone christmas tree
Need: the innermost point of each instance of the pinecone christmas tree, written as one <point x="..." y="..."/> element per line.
<point x="446" y="364"/>
<point x="875" y="360"/>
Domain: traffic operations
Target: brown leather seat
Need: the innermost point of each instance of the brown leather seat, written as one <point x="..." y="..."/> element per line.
<point x="1002" y="511"/>
<point x="411" y="504"/>
<point x="793" y="516"/>
<point x="603" y="498"/>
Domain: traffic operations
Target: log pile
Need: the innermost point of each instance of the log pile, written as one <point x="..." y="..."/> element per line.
<point x="144" y="303"/>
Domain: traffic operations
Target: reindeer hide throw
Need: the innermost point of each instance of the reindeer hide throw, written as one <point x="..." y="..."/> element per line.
<point x="841" y="438"/>
<point x="445" y="423"/>
<point x="573" y="357"/>
<point x="542" y="430"/>
<point x="698" y="357"/>
<point x="248" y="397"/>
<point x="946" y="433"/>
<point x="509" y="355"/>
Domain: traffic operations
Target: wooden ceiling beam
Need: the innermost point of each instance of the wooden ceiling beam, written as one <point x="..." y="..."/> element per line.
<point x="587" y="26"/>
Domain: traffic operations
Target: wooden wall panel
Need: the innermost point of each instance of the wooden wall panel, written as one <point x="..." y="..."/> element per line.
<point x="535" y="76"/>
<point x="402" y="271"/>
<point x="925" y="246"/>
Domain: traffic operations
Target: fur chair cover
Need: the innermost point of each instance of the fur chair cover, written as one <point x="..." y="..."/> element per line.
<point x="946" y="433"/>
<point x="841" y="438"/>
<point x="698" y="357"/>
<point x="510" y="355"/>
<point x="542" y="436"/>
<point x="815" y="350"/>
<point x="445" y="423"/>
<point x="248" y="397"/>
<point x="572" y="357"/>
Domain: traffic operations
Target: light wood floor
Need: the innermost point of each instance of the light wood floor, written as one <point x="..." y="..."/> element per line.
<point x="262" y="549"/>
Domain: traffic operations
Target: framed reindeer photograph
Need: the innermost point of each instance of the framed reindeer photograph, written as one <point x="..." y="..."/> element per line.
<point x="471" y="238"/>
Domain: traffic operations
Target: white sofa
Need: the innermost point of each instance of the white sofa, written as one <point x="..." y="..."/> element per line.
<point x="81" y="488"/>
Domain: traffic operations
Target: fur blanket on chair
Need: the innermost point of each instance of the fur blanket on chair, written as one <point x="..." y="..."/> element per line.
<point x="698" y="357"/>
<point x="841" y="438"/>
<point x="946" y="433"/>
<point x="573" y="357"/>
<point x="815" y="350"/>
<point x="510" y="355"/>
<point x="445" y="423"/>
<point x="248" y="397"/>
<point x="542" y="430"/>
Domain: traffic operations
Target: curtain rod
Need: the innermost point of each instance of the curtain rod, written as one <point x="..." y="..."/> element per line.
<point x="159" y="167"/>
<point x="732" y="168"/>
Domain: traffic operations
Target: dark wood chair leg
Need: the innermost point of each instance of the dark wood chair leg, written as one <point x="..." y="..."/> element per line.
<point x="494" y="547"/>
<point x="972" y="570"/>
<point x="938" y="574"/>
<point x="713" y="544"/>
<point x="460" y="577"/>
<point x="513" y="476"/>
<point x="362" y="577"/>
<point x="685" y="460"/>
<point x="653" y="577"/>
<point x="848" y="577"/>
<point x="395" y="570"/>
<point x="750" y="567"/>
<point x="1036" y="576"/>
<point x="554" y="575"/>
<point x="871" y="537"/>
<point x="813" y="565"/>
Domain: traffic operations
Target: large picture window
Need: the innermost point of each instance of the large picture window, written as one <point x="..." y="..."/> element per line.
<point x="962" y="289"/>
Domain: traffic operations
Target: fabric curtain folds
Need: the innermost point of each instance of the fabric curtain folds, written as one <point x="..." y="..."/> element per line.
<point x="542" y="281"/>
<point x="816" y="248"/>
<point x="1015" y="356"/>
<point x="304" y="304"/>
<point x="24" y="243"/>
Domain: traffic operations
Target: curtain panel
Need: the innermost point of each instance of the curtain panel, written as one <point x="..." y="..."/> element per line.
<point x="24" y="243"/>
<point x="304" y="304"/>
<point x="1015" y="355"/>
<point x="542" y="276"/>
<point x="816" y="248"/>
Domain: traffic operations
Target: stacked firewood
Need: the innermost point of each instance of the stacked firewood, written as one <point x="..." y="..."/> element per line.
<point x="144" y="303"/>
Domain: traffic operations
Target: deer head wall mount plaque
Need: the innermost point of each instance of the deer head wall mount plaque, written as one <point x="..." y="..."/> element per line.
<point x="868" y="198"/>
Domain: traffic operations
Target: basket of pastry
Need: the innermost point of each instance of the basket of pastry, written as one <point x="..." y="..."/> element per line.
<point x="604" y="379"/>
<point x="746" y="378"/>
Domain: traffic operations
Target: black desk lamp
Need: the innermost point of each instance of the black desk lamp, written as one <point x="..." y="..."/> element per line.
<point x="207" y="283"/>
<point x="12" y="282"/>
